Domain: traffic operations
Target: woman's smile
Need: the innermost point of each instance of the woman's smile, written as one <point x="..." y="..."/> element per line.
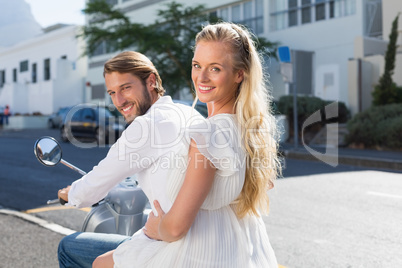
<point x="205" y="89"/>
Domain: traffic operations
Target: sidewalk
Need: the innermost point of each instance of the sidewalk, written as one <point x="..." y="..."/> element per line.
<point x="391" y="160"/>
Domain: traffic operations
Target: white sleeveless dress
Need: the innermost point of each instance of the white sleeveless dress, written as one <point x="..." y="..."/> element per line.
<point x="217" y="237"/>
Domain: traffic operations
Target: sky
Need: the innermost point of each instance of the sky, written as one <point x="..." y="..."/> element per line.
<point x="50" y="12"/>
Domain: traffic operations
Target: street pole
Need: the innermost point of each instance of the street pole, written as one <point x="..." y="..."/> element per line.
<point x="295" y="123"/>
<point x="288" y="71"/>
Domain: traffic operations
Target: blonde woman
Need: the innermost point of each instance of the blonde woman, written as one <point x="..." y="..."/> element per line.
<point x="232" y="162"/>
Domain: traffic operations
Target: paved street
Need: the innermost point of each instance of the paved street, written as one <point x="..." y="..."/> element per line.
<point x="349" y="219"/>
<point x="25" y="244"/>
<point x="27" y="184"/>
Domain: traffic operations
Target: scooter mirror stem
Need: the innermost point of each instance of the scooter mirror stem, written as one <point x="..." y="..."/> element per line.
<point x="64" y="162"/>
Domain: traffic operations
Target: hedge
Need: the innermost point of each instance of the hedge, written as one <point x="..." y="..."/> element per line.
<point x="306" y="106"/>
<point x="377" y="126"/>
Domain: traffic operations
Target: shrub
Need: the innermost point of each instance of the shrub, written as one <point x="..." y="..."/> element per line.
<point x="274" y="107"/>
<point x="306" y="106"/>
<point x="377" y="126"/>
<point x="390" y="135"/>
<point x="390" y="95"/>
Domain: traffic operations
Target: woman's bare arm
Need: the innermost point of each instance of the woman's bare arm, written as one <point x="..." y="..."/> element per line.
<point x="197" y="183"/>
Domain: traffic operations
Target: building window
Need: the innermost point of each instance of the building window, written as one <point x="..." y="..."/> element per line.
<point x="104" y="47"/>
<point x="284" y="14"/>
<point x="250" y="14"/>
<point x="15" y="75"/>
<point x="2" y="78"/>
<point x="23" y="66"/>
<point x="46" y="69"/>
<point x="320" y="10"/>
<point x="373" y="18"/>
<point x="236" y="13"/>
<point x="278" y="15"/>
<point x="110" y="2"/>
<point x="328" y="79"/>
<point x="259" y="16"/>
<point x="292" y="13"/>
<point x="224" y="14"/>
<point x="34" y="79"/>
<point x="332" y="9"/>
<point x="306" y="11"/>
<point x="64" y="57"/>
<point x="98" y="91"/>
<point x="247" y="10"/>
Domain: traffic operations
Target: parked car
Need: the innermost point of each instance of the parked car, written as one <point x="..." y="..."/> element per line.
<point x="114" y="110"/>
<point x="56" y="119"/>
<point x="91" y="122"/>
<point x="199" y="106"/>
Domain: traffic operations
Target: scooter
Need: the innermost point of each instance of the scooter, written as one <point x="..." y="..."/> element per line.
<point x="123" y="211"/>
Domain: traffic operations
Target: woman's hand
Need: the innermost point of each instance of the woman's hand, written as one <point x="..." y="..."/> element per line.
<point x="151" y="228"/>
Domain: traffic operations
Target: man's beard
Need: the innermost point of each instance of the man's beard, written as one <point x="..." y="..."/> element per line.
<point x="141" y="108"/>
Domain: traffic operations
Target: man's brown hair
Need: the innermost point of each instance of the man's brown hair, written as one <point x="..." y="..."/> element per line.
<point x="137" y="64"/>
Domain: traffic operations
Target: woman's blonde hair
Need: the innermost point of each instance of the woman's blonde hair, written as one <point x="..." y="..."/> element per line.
<point x="254" y="116"/>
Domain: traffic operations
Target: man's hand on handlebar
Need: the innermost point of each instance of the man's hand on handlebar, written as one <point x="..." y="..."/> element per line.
<point x="63" y="194"/>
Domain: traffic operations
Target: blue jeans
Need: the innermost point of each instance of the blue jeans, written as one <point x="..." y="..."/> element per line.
<point x="81" y="249"/>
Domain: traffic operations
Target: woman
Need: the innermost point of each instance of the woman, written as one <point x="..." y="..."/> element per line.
<point x="232" y="162"/>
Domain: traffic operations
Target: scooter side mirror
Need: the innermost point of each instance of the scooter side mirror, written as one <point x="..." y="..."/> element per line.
<point x="48" y="151"/>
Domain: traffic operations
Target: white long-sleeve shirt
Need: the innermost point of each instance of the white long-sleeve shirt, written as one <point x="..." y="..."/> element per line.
<point x="145" y="148"/>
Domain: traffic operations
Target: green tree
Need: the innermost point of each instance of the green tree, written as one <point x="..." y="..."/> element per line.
<point x="168" y="42"/>
<point x="386" y="92"/>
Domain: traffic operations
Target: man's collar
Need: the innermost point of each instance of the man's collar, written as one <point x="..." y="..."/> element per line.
<point x="162" y="100"/>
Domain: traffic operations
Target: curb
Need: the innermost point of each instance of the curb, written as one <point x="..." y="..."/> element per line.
<point x="349" y="160"/>
<point x="35" y="220"/>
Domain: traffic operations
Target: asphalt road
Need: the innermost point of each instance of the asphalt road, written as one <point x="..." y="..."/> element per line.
<point x="27" y="184"/>
<point x="349" y="219"/>
<point x="26" y="245"/>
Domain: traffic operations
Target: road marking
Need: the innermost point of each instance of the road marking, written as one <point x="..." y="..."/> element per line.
<point x="44" y="209"/>
<point x="385" y="195"/>
<point x="48" y="225"/>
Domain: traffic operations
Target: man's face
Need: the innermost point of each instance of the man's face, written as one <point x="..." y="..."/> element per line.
<point x="129" y="94"/>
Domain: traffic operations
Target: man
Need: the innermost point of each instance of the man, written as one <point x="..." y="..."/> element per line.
<point x="6" y="114"/>
<point x="156" y="132"/>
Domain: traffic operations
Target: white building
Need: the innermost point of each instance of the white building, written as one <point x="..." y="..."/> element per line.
<point x="367" y="64"/>
<point x="320" y="33"/>
<point x="43" y="73"/>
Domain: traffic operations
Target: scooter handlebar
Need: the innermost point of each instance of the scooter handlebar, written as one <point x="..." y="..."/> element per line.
<point x="56" y="201"/>
<point x="62" y="201"/>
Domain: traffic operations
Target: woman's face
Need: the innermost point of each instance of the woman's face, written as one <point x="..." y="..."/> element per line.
<point x="212" y="73"/>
